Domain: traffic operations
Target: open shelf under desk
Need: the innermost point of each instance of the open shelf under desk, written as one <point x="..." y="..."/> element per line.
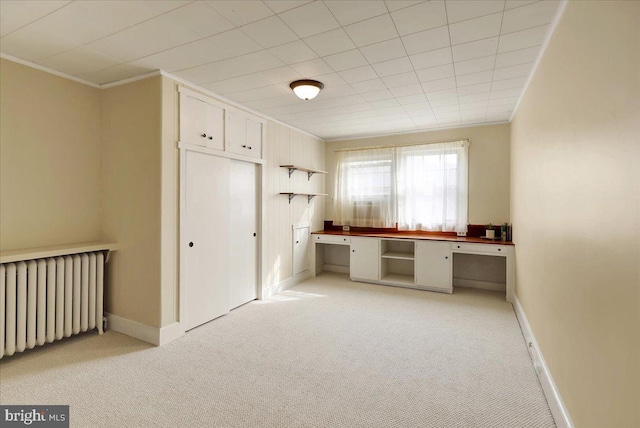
<point x="399" y="255"/>
<point x="398" y="278"/>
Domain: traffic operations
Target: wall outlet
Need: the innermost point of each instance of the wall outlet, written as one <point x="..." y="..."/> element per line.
<point x="345" y="228"/>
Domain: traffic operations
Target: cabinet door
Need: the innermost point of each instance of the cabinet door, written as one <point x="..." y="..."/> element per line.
<point x="300" y="250"/>
<point x="236" y="135"/>
<point x="215" y="127"/>
<point x="365" y="258"/>
<point x="206" y="243"/>
<point x="433" y="265"/>
<point x="254" y="138"/>
<point x="193" y="120"/>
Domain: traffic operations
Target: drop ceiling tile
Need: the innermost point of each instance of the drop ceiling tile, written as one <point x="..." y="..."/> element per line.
<point x="439" y="85"/>
<point x="529" y="16"/>
<point x="505" y="93"/>
<point x="393" y="5"/>
<point x="269" y="32"/>
<point x="268" y="103"/>
<point x="522" y="39"/>
<point x="114" y="74"/>
<point x="331" y="79"/>
<point x="412" y="99"/>
<point x="395" y="66"/>
<point x="438" y="95"/>
<point x="16" y="14"/>
<point x="516" y="82"/>
<point x="475" y="29"/>
<point x="372" y="30"/>
<point x="475" y="65"/>
<point x="33" y="44"/>
<point x="377" y="95"/>
<point x="260" y="93"/>
<point x="78" y="61"/>
<point x="446" y="109"/>
<point x="382" y="104"/>
<point x="369" y="85"/>
<point x="238" y="84"/>
<point x="358" y="74"/>
<point x="294" y="52"/>
<point x="431" y="58"/>
<point x="215" y="48"/>
<point x="478" y="106"/>
<point x="444" y="102"/>
<point x="233" y="67"/>
<point x="345" y="60"/>
<point x="401" y="79"/>
<point x="152" y="36"/>
<point x="433" y="73"/>
<point x="476" y="49"/>
<point x="390" y="110"/>
<point x="329" y="43"/>
<point x="474" y="89"/>
<point x="475" y="78"/>
<point x="520" y="56"/>
<point x="462" y="10"/>
<point x="427" y="40"/>
<point x="513" y="71"/>
<point x="312" y="68"/>
<point x="423" y="16"/>
<point x="504" y="101"/>
<point x="472" y="98"/>
<point x="347" y="12"/>
<point x="383" y="51"/>
<point x="310" y="19"/>
<point x="510" y="4"/>
<point x="281" y="74"/>
<point x="241" y="12"/>
<point x="201" y="19"/>
<point x="339" y="91"/>
<point x="403" y="91"/>
<point x="279" y="6"/>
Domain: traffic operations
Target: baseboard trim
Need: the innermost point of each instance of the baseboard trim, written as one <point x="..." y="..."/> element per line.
<point x="170" y="333"/>
<point x="483" y="285"/>
<point x="558" y="409"/>
<point x="335" y="268"/>
<point x="134" y="329"/>
<point x="274" y="289"/>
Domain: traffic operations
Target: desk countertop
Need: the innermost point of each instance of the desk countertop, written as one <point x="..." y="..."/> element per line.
<point x="415" y="235"/>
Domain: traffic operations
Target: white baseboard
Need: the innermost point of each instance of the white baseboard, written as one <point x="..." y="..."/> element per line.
<point x="285" y="284"/>
<point x="153" y="335"/>
<point x="558" y="409"/>
<point x="484" y="285"/>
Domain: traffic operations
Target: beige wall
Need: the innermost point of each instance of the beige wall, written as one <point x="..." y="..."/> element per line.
<point x="488" y="166"/>
<point x="131" y="164"/>
<point x="575" y="209"/>
<point x="49" y="159"/>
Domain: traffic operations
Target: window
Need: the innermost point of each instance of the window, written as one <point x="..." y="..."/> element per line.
<point x="421" y="187"/>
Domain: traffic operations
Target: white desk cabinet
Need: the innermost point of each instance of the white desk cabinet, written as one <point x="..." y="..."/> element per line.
<point x="365" y="258"/>
<point x="433" y="265"/>
<point x="201" y="121"/>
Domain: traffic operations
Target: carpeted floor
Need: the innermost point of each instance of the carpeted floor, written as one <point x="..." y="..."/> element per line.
<point x="326" y="353"/>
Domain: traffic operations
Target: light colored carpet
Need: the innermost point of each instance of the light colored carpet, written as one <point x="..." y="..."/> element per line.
<point x="326" y="353"/>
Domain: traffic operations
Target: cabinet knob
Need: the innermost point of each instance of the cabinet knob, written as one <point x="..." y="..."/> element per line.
<point x="458" y="246"/>
<point x="254" y="234"/>
<point x="297" y="242"/>
<point x="345" y="239"/>
<point x="190" y="244"/>
<point x="499" y="249"/>
<point x="249" y="147"/>
<point x="446" y="257"/>
<point x="353" y="251"/>
<point x="244" y="146"/>
<point x="203" y="135"/>
<point x="210" y="137"/>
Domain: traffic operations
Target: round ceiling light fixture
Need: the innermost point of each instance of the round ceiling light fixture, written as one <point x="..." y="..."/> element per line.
<point x="306" y="89"/>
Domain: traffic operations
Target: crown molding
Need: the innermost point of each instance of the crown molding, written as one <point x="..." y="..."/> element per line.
<point x="47" y="70"/>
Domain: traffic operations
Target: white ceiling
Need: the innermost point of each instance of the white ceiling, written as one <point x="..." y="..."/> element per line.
<point x="387" y="66"/>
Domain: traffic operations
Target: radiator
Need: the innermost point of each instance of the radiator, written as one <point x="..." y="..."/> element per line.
<point x="48" y="299"/>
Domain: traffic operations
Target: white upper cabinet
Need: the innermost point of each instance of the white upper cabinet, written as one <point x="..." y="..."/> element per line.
<point x="201" y="121"/>
<point x="244" y="134"/>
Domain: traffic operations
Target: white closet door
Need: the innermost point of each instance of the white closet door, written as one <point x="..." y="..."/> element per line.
<point x="243" y="246"/>
<point x="207" y="234"/>
<point x="300" y="249"/>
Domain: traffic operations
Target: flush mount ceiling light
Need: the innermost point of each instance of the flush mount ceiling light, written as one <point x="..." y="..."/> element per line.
<point x="306" y="89"/>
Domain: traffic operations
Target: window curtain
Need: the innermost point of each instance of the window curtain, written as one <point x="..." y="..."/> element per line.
<point x="365" y="188"/>
<point x="432" y="187"/>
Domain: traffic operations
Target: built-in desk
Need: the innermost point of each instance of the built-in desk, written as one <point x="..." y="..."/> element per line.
<point x="423" y="261"/>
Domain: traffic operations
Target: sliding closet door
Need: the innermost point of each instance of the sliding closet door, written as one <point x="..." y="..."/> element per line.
<point x="206" y="231"/>
<point x="243" y="246"/>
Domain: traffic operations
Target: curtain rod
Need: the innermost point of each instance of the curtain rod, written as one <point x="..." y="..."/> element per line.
<point x="398" y="145"/>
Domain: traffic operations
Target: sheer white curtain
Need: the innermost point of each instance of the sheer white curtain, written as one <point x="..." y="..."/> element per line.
<point x="365" y="188"/>
<point x="432" y="187"/>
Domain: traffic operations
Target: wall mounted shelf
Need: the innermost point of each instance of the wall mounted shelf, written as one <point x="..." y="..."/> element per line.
<point x="308" y="195"/>
<point x="309" y="171"/>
